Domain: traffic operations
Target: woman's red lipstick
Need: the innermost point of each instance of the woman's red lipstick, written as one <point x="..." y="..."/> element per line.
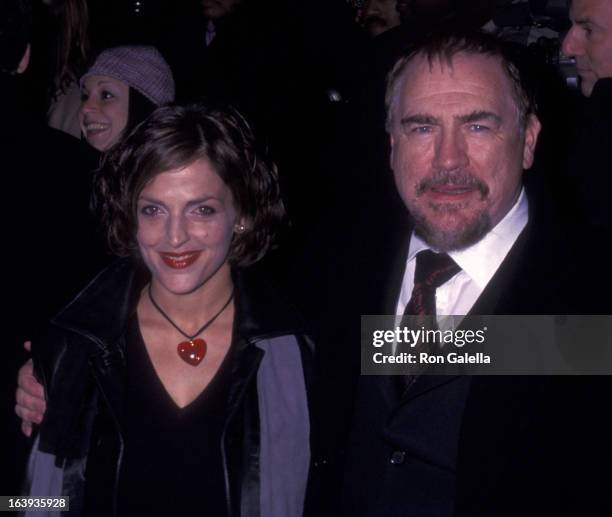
<point x="180" y="260"/>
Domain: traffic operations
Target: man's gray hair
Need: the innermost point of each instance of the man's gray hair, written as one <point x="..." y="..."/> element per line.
<point x="443" y="47"/>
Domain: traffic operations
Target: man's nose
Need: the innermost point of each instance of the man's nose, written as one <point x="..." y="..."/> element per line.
<point x="177" y="230"/>
<point x="450" y="150"/>
<point x="571" y="43"/>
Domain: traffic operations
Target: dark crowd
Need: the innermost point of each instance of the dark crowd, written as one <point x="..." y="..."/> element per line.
<point x="246" y="178"/>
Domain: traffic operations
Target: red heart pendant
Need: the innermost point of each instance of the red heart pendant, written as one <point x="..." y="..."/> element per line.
<point x="193" y="351"/>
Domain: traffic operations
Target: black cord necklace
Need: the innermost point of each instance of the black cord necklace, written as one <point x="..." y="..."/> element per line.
<point x="193" y="350"/>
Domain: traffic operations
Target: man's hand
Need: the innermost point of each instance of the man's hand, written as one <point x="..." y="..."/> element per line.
<point x="30" y="396"/>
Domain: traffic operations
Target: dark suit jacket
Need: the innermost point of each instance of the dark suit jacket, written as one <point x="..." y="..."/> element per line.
<point x="589" y="161"/>
<point x="469" y="446"/>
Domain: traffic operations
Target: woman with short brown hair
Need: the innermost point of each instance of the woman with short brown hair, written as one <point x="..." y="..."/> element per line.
<point x="175" y="381"/>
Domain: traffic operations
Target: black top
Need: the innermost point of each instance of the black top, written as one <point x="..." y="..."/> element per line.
<point x="172" y="462"/>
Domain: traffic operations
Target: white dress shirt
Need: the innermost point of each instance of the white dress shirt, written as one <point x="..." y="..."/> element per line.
<point x="478" y="264"/>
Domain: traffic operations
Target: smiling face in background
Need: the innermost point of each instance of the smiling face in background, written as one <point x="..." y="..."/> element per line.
<point x="458" y="151"/>
<point x="104" y="110"/>
<point x="589" y="41"/>
<point x="186" y="221"/>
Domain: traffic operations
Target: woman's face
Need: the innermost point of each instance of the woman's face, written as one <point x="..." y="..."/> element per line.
<point x="186" y="221"/>
<point x="104" y="110"/>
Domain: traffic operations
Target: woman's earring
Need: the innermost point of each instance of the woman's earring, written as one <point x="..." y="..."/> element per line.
<point x="239" y="228"/>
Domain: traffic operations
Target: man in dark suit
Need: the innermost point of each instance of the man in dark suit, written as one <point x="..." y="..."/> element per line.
<point x="463" y="129"/>
<point x="589" y="161"/>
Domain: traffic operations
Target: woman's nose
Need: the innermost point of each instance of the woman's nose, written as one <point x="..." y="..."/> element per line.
<point x="177" y="231"/>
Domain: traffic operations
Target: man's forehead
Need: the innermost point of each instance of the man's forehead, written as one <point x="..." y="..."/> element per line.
<point x="591" y="10"/>
<point x="467" y="84"/>
<point x="462" y="70"/>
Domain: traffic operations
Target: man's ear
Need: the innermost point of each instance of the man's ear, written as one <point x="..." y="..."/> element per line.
<point x="532" y="130"/>
<point x="392" y="144"/>
<point x="25" y="61"/>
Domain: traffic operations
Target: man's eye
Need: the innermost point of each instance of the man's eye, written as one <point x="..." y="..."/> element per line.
<point x="478" y="128"/>
<point x="106" y="95"/>
<point x="422" y="130"/>
<point x="149" y="210"/>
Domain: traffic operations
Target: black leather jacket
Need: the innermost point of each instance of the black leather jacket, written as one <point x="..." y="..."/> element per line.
<point x="81" y="363"/>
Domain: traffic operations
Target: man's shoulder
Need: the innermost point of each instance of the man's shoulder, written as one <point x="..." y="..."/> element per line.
<point x="103" y="307"/>
<point x="554" y="267"/>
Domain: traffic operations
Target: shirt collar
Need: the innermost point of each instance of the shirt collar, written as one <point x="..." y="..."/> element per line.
<point x="481" y="260"/>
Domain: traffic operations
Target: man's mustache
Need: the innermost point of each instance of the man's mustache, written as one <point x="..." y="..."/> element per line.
<point x="458" y="178"/>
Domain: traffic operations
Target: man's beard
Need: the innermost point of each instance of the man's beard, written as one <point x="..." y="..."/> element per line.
<point x="443" y="239"/>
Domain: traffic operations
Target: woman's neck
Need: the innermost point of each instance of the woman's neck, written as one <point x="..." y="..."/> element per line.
<point x="204" y="302"/>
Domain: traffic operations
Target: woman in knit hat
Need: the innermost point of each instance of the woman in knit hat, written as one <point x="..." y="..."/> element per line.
<point x="122" y="87"/>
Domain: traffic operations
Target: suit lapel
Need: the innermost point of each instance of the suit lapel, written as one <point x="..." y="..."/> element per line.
<point x="489" y="300"/>
<point x="424" y="384"/>
<point x="388" y="296"/>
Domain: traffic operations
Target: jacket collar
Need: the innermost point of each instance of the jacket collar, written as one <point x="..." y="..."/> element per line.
<point x="262" y="310"/>
<point x="101" y="311"/>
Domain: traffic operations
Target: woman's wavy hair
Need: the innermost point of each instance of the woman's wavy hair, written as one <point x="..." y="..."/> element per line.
<point x="173" y="137"/>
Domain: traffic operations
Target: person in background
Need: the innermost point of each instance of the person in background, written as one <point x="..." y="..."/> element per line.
<point x="379" y="16"/>
<point x="121" y="88"/>
<point x="44" y="169"/>
<point x="211" y="49"/>
<point x="46" y="190"/>
<point x="216" y="10"/>
<point x="73" y="47"/>
<point x="239" y="52"/>
<point x="589" y="162"/>
<point x="589" y="41"/>
<point x="84" y="28"/>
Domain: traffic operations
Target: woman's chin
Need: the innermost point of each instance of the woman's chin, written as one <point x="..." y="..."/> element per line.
<point x="100" y="143"/>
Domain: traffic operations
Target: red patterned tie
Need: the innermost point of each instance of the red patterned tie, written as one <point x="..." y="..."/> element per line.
<point x="432" y="270"/>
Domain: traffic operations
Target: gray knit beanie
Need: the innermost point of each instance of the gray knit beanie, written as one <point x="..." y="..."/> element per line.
<point x="140" y="67"/>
